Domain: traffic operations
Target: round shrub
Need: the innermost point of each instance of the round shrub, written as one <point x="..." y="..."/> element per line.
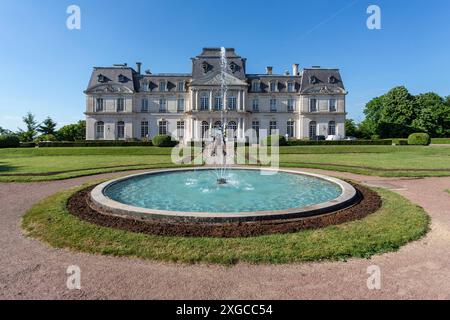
<point x="9" y="141"/>
<point x="375" y="137"/>
<point x="268" y="140"/>
<point x="163" y="141"/>
<point x="419" y="139"/>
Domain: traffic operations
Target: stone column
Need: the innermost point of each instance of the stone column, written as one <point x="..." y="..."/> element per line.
<point x="210" y="100"/>
<point x="196" y="100"/>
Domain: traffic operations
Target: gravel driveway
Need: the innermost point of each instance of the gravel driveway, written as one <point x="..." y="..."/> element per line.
<point x="30" y="269"/>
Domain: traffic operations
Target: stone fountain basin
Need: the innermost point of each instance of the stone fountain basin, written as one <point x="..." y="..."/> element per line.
<point x="102" y="203"/>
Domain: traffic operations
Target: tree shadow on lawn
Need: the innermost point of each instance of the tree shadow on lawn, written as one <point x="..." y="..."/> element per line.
<point x="8" y="168"/>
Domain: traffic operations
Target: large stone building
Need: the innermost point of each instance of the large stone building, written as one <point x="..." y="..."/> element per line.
<point x="125" y="103"/>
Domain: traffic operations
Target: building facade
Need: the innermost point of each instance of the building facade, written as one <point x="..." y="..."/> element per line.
<point x="123" y="103"/>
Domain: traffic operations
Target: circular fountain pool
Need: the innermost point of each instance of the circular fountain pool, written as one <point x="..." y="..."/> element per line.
<point x="248" y="194"/>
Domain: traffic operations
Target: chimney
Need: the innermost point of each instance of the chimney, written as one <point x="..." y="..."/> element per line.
<point x="269" y="70"/>
<point x="138" y="67"/>
<point x="295" y="69"/>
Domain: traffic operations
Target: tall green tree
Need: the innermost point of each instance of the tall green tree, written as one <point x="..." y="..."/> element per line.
<point x="433" y="115"/>
<point x="351" y="129"/>
<point x="4" y="131"/>
<point x="48" y="126"/>
<point x="30" y="132"/>
<point x="372" y="112"/>
<point x="72" y="132"/>
<point x="399" y="106"/>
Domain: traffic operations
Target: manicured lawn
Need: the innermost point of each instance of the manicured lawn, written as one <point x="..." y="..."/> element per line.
<point x="395" y="224"/>
<point x="61" y="163"/>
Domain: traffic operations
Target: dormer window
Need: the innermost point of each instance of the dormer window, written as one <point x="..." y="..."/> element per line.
<point x="313" y="80"/>
<point x="101" y="78"/>
<point x="256" y="86"/>
<point x="234" y="67"/>
<point x="122" y="78"/>
<point x="290" y="87"/>
<point x="144" y="86"/>
<point x="162" y="86"/>
<point x="180" y="86"/>
<point x="332" y="79"/>
<point x="206" y="67"/>
<point x="273" y="86"/>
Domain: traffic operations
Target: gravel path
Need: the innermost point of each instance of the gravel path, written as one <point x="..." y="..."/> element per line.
<point x="30" y="269"/>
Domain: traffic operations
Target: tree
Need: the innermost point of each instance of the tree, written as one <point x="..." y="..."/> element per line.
<point x="48" y="126"/>
<point x="433" y="115"/>
<point x="373" y="112"/>
<point x="399" y="107"/>
<point x="31" y="128"/>
<point x="4" y="131"/>
<point x="72" y="132"/>
<point x="351" y="129"/>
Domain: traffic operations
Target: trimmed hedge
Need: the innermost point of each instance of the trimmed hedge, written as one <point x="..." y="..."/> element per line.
<point x="419" y="139"/>
<point x="163" y="141"/>
<point x="102" y="143"/>
<point x="268" y="140"/>
<point x="339" y="143"/>
<point x="9" y="141"/>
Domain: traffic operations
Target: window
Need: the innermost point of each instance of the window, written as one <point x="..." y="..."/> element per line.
<point x="204" y="102"/>
<point x="144" y="86"/>
<point x="180" y="129"/>
<point x="291" y="105"/>
<point x="332" y="105"/>
<point x="100" y="130"/>
<point x="180" y="86"/>
<point x="256" y="86"/>
<point x="312" y="105"/>
<point x="99" y="105"/>
<point x="312" y="130"/>
<point x="231" y="103"/>
<point x="273" y="105"/>
<point x="273" y="86"/>
<point x="162" y="105"/>
<point x="162" y="127"/>
<point x="331" y="128"/>
<point x="205" y="129"/>
<point x="144" y="105"/>
<point x="180" y="105"/>
<point x="290" y="128"/>
<point x="120" y="105"/>
<point x="273" y="127"/>
<point x="232" y="126"/>
<point x="162" y="86"/>
<point x="218" y="103"/>
<point x="255" y="105"/>
<point x="144" y="129"/>
<point x="291" y="87"/>
<point x="120" y="130"/>
<point x="255" y="127"/>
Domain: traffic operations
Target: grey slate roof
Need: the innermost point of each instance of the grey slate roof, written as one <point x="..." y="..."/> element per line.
<point x="315" y="80"/>
<point x="111" y="76"/>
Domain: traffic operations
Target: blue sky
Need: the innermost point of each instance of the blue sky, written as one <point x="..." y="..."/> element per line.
<point x="46" y="67"/>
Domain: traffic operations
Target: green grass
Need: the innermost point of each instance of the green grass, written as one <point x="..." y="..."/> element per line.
<point x="395" y="224"/>
<point x="62" y="163"/>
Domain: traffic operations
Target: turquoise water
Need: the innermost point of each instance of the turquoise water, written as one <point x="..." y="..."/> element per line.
<point x="245" y="191"/>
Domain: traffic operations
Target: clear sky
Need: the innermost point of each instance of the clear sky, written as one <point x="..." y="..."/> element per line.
<point x="45" y="67"/>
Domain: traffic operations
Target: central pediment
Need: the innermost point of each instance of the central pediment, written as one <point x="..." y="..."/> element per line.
<point x="216" y="80"/>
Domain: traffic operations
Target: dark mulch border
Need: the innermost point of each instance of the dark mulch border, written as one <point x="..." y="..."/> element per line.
<point x="78" y="205"/>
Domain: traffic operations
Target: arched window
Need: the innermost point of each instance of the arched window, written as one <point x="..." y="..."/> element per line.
<point x="312" y="130"/>
<point x="231" y="129"/>
<point x="100" y="130"/>
<point x="331" y="128"/>
<point x="205" y="128"/>
<point x="120" y="130"/>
